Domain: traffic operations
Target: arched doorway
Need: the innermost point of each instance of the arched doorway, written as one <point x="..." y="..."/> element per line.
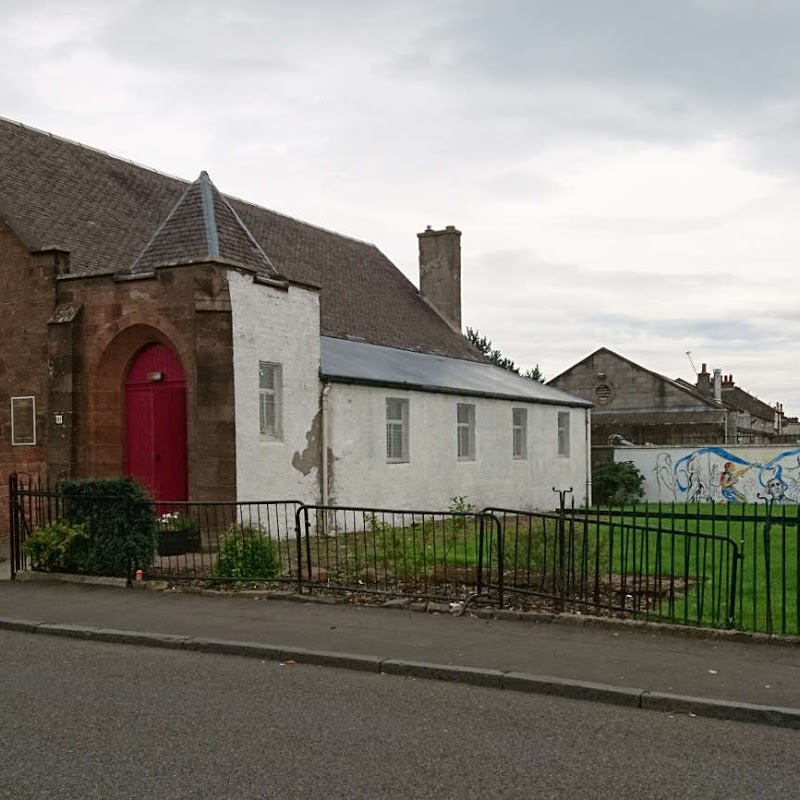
<point x="155" y="422"/>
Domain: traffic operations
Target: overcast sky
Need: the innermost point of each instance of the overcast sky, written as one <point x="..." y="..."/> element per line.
<point x="626" y="173"/>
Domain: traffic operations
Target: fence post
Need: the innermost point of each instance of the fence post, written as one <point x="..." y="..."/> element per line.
<point x="730" y="622"/>
<point x="768" y="556"/>
<point x="12" y="528"/>
<point x="561" y="569"/>
<point x="299" y="536"/>
<point x="479" y="572"/>
<point x="501" y="566"/>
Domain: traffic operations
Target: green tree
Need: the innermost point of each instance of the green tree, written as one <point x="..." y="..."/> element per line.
<point x="617" y="482"/>
<point x="484" y="345"/>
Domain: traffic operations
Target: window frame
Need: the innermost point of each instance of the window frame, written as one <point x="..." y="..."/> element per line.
<point x="15" y="401"/>
<point x="394" y="424"/>
<point x="467" y="428"/>
<point x="273" y="433"/>
<point x="519" y="433"/>
<point x="564" y="419"/>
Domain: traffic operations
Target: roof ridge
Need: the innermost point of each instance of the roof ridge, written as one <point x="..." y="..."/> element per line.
<point x="97" y="150"/>
<point x="215" y="216"/>
<point x="186" y="181"/>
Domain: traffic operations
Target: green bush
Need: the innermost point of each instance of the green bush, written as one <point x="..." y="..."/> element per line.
<point x="247" y="554"/>
<point x="120" y="520"/>
<point x="58" y="547"/>
<point x="617" y="482"/>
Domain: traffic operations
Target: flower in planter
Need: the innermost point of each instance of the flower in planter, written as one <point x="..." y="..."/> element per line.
<point x="173" y="521"/>
<point x="177" y="534"/>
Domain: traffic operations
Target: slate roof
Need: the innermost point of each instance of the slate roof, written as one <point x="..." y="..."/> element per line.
<point x="203" y="227"/>
<point x="369" y="364"/>
<point x="741" y="400"/>
<point x="106" y="212"/>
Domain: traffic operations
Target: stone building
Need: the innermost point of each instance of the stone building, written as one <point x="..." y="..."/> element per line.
<point x="217" y="350"/>
<point x="634" y="405"/>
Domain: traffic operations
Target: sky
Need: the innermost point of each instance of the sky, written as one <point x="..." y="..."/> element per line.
<point x="625" y="173"/>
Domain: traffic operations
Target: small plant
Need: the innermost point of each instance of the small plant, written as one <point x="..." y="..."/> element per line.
<point x="58" y="547"/>
<point x="460" y="505"/>
<point x="247" y="554"/>
<point x="617" y="482"/>
<point x="173" y="521"/>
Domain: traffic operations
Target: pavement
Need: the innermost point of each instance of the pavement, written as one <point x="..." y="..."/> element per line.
<point x="729" y="676"/>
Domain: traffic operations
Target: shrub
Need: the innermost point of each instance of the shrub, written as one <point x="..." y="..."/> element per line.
<point x="616" y="482"/>
<point x="120" y="521"/>
<point x="58" y="547"/>
<point x="247" y="553"/>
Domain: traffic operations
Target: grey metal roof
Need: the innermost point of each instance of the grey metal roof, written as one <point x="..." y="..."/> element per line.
<point x="347" y="361"/>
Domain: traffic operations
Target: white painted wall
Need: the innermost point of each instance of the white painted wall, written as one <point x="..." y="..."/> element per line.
<point x="361" y="475"/>
<point x="698" y="474"/>
<point x="282" y="327"/>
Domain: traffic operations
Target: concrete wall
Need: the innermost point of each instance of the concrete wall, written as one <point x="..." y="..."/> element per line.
<point x="724" y="474"/>
<point x="282" y="327"/>
<point x="360" y="474"/>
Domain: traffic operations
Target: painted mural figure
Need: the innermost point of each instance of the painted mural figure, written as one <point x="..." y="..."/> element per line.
<point x="716" y="473"/>
<point x="776" y="490"/>
<point x="697" y="490"/>
<point x="728" y="478"/>
<point x="664" y="476"/>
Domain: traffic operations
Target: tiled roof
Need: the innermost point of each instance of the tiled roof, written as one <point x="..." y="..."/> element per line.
<point x="107" y="212"/>
<point x="203" y="227"/>
<point x="741" y="400"/>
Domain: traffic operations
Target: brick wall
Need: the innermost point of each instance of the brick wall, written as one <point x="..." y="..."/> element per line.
<point x="27" y="294"/>
<point x="185" y="308"/>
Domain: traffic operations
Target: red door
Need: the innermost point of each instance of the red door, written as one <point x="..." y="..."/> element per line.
<point x="155" y="423"/>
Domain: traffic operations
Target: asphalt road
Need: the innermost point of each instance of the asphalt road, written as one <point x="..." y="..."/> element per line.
<point x="91" y="720"/>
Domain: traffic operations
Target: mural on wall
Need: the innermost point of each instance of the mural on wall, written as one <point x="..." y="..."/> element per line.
<point x="716" y="474"/>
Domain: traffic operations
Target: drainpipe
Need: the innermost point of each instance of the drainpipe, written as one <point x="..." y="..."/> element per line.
<point x="588" y="417"/>
<point x="324" y="413"/>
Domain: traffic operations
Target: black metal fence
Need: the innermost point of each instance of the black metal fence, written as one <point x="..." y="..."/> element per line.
<point x="426" y="554"/>
<point x="724" y="566"/>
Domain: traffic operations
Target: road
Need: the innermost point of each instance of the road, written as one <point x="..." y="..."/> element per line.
<point x="91" y="720"/>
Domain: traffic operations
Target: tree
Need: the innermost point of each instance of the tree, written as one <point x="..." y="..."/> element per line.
<point x="484" y="345"/>
<point x="617" y="482"/>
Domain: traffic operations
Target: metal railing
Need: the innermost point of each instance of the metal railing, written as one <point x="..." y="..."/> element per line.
<point x="718" y="566"/>
<point x="424" y="554"/>
<point x="608" y="562"/>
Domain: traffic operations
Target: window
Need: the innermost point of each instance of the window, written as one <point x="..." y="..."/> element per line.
<point x="23" y="420"/>
<point x="519" y="433"/>
<point x="466" y="431"/>
<point x="563" y="433"/>
<point x="396" y="430"/>
<point x="270" y="400"/>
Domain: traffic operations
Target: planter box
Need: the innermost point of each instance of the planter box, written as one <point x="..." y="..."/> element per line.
<point x="176" y="543"/>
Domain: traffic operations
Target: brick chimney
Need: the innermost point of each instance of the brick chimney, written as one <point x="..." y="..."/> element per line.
<point x="440" y="272"/>
<point x="704" y="381"/>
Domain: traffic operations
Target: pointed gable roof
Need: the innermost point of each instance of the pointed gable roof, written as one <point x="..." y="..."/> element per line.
<point x="203" y="227"/>
<point x="673" y="389"/>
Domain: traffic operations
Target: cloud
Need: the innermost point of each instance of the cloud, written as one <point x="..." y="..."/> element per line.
<point x="624" y="173"/>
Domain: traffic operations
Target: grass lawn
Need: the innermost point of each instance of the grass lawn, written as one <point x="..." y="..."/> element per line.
<point x="661" y="562"/>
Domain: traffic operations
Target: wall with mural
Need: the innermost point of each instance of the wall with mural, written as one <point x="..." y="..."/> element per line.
<point x="718" y="473"/>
